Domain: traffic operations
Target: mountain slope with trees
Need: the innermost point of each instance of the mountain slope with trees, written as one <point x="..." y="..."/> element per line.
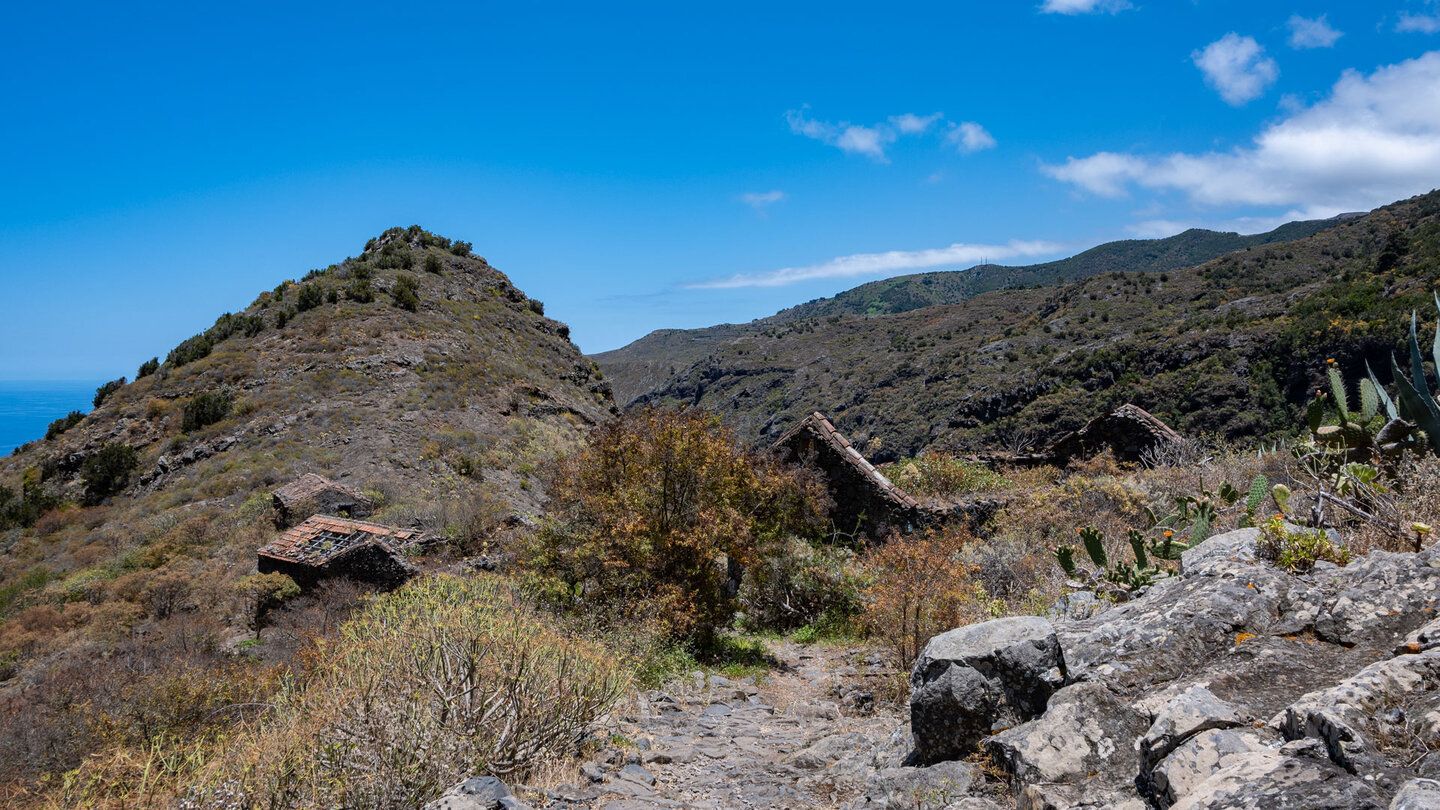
<point x="649" y="362"/>
<point x="1230" y="347"/>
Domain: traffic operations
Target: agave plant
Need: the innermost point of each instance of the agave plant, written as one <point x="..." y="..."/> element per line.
<point x="1417" y="404"/>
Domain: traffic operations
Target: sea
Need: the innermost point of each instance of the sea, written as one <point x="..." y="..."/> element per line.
<point x="28" y="407"/>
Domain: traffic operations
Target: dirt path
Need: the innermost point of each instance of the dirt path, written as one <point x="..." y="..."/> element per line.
<point x="804" y="736"/>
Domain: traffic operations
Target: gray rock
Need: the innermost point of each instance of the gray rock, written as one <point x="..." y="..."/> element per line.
<point x="1221" y="553"/>
<point x="828" y="751"/>
<point x="1273" y="780"/>
<point x="635" y="773"/>
<point x="1185" y="715"/>
<point x="1383" y="594"/>
<point x="1086" y="735"/>
<point x="919" y="787"/>
<point x="972" y="679"/>
<point x="1417" y="794"/>
<point x="477" y="793"/>
<point x="1200" y="757"/>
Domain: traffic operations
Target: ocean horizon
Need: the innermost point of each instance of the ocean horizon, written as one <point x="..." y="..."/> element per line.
<point x="27" y="407"/>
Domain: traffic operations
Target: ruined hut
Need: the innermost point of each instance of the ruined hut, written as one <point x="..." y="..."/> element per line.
<point x="865" y="500"/>
<point x="1128" y="432"/>
<point x="312" y="494"/>
<point x="324" y="547"/>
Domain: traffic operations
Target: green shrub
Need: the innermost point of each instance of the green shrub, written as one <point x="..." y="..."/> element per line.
<point x="108" y="471"/>
<point x="282" y="317"/>
<point x="936" y="474"/>
<point x="405" y="293"/>
<point x="205" y="409"/>
<point x="360" y="290"/>
<point x="800" y="584"/>
<point x="460" y="248"/>
<point x="63" y="424"/>
<point x="309" y="297"/>
<point x="147" y="368"/>
<point x="103" y="392"/>
<point x="432" y="263"/>
<point x="1297" y="552"/>
<point x="536" y="306"/>
<point x="190" y="350"/>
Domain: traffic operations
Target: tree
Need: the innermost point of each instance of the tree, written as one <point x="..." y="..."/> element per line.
<point x="309" y="297"/>
<point x="108" y="471"/>
<point x="148" y="367"/>
<point x="103" y="392"/>
<point x="261" y="593"/>
<point x="664" y="508"/>
<point x="205" y="409"/>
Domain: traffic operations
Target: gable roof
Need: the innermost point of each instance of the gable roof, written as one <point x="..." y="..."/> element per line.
<point x="321" y="539"/>
<point x="818" y="427"/>
<point x="309" y="486"/>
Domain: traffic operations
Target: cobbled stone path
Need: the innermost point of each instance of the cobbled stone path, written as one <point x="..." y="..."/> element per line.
<point x="716" y="743"/>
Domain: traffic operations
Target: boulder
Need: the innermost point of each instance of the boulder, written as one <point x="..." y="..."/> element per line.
<point x="1087" y="735"/>
<point x="972" y="680"/>
<point x="1185" y="715"/>
<point x="1417" y="794"/>
<point x="1199" y="758"/>
<point x="906" y="787"/>
<point x="478" y="793"/>
<point x="1293" y="777"/>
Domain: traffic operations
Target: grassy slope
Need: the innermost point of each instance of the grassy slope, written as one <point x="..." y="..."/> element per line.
<point x="649" y="363"/>
<point x="446" y="411"/>
<point x="1229" y="347"/>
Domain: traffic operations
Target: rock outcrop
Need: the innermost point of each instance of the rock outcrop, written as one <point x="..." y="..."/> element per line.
<point x="1231" y="685"/>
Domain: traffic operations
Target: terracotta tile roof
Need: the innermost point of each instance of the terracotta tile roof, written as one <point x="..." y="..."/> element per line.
<point x="308" y="486"/>
<point x="818" y="426"/>
<point x="321" y="539"/>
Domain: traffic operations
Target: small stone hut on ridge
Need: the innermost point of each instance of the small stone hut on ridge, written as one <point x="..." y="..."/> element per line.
<point x="865" y="500"/>
<point x="324" y="547"/>
<point x="312" y="494"/>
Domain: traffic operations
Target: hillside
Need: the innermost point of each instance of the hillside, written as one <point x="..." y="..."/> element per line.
<point x="1229" y="347"/>
<point x="415" y="372"/>
<point x="649" y="362"/>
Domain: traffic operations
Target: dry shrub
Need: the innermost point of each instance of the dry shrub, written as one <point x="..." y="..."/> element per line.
<point x="444" y="678"/>
<point x="665" y="509"/>
<point x="799" y="584"/>
<point x="920" y="588"/>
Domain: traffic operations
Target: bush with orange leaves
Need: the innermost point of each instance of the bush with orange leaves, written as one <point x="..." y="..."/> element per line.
<point x="919" y="587"/>
<point x="662" y="511"/>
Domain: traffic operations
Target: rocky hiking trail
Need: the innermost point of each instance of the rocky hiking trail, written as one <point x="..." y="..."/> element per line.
<point x="808" y="733"/>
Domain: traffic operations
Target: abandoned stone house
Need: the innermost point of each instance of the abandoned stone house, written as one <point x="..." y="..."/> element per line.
<point x="312" y="494"/>
<point x="324" y="547"/>
<point x="866" y="502"/>
<point x="1128" y="432"/>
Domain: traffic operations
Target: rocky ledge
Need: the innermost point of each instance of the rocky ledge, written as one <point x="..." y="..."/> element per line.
<point x="1232" y="685"/>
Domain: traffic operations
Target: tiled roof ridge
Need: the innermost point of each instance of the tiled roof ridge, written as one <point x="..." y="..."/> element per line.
<point x="817" y="424"/>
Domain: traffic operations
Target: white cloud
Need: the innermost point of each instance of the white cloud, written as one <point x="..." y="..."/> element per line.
<point x="761" y="200"/>
<point x="1376" y="139"/>
<point x="1084" y="6"/>
<point x="968" y="136"/>
<point x="911" y="124"/>
<point x="1418" y="23"/>
<point x="877" y="264"/>
<point x="1237" y="68"/>
<point x="873" y="140"/>
<point x="1308" y="33"/>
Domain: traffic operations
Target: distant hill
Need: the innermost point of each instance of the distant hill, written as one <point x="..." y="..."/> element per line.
<point x="1230" y="347"/>
<point x="647" y="363"/>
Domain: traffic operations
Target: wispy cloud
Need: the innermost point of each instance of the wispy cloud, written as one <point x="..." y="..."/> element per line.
<point x="1084" y="6"/>
<point x="872" y="140"/>
<point x="762" y="200"/>
<point x="879" y="264"/>
<point x="1308" y="33"/>
<point x="1375" y="139"/>
<point x="1237" y="68"/>
<point x="968" y="136"/>
<point x="1417" y="23"/>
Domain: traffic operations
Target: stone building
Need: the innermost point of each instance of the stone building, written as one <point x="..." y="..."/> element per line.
<point x="312" y="494"/>
<point x="866" y="502"/>
<point x="1128" y="432"/>
<point x="323" y="547"/>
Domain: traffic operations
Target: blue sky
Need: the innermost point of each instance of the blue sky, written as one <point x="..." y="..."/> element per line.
<point x="639" y="166"/>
